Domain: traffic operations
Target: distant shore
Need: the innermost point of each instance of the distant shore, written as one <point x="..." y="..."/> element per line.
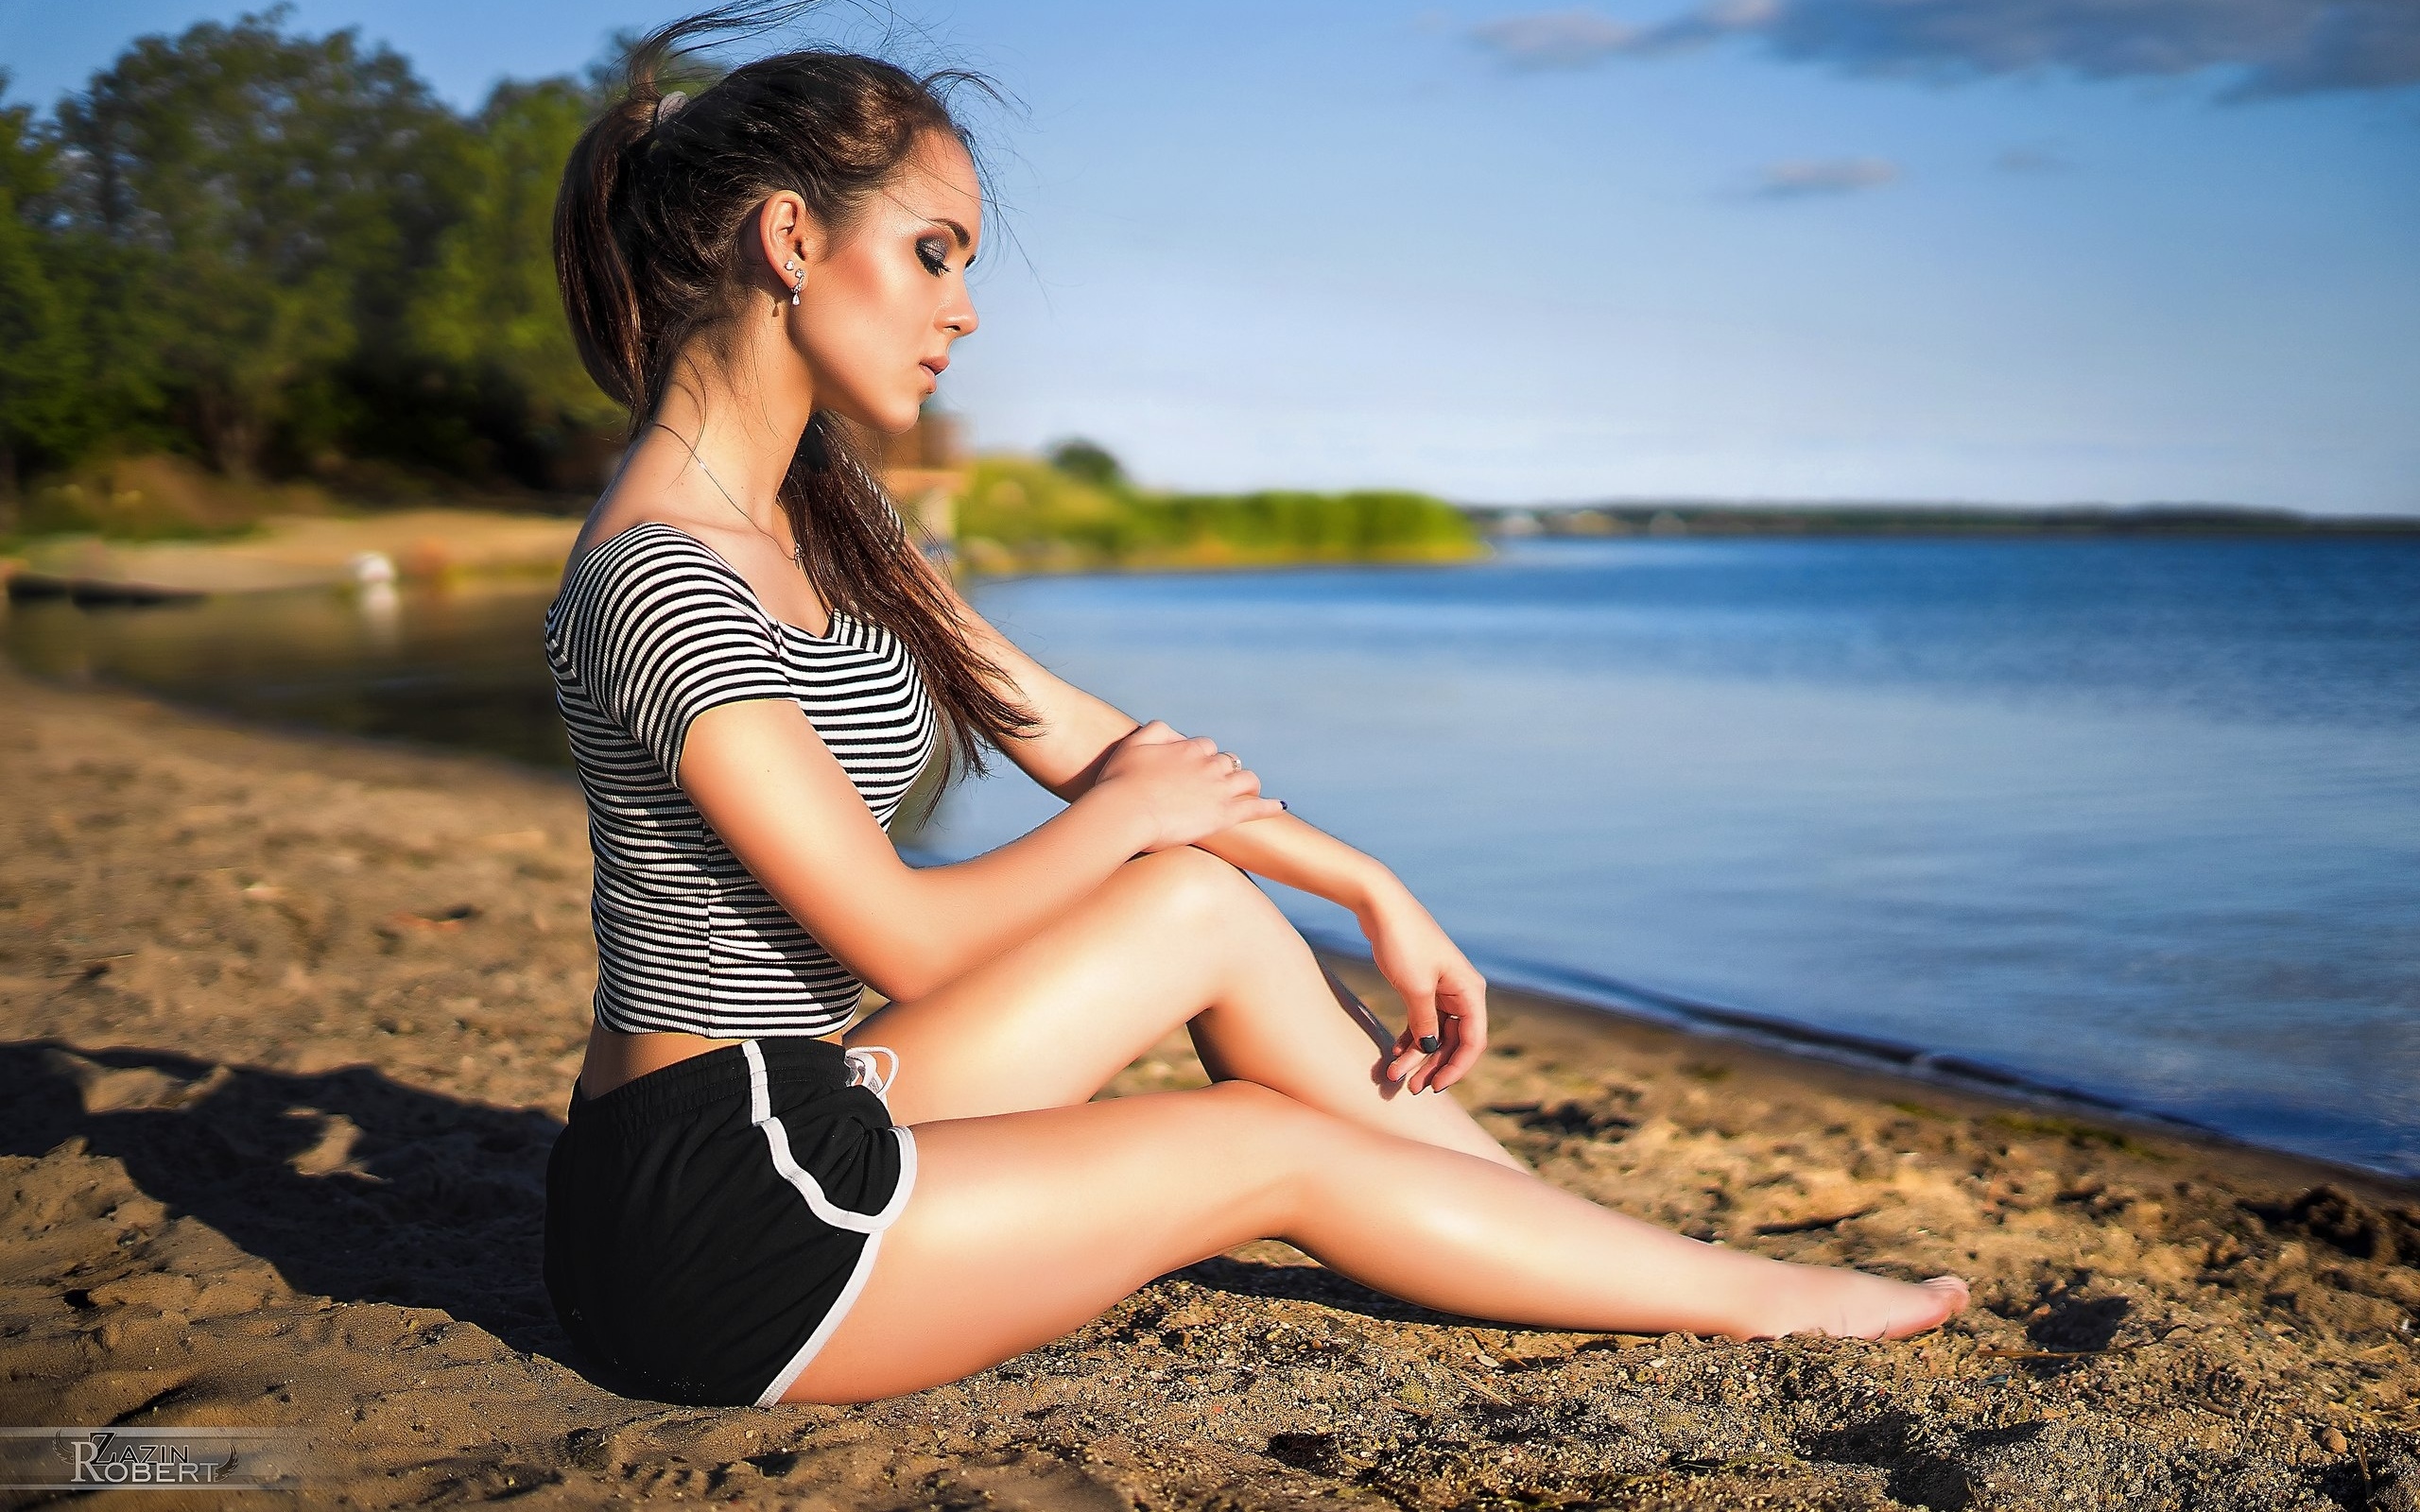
<point x="300" y="551"/>
<point x="1704" y="518"/>
<point x="441" y="542"/>
<point x="288" y="1022"/>
<point x="334" y="547"/>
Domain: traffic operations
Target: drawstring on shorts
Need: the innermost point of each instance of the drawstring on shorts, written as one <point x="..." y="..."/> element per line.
<point x="863" y="1072"/>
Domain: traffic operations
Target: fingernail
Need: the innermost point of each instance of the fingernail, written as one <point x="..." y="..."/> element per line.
<point x="1428" y="1044"/>
<point x="1282" y="804"/>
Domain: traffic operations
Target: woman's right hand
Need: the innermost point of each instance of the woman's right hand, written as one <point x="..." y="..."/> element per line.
<point x="1186" y="790"/>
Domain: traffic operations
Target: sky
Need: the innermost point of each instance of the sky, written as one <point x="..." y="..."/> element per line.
<point x="2000" y="252"/>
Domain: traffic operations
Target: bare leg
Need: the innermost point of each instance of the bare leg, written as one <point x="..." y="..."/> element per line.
<point x="1177" y="938"/>
<point x="1026" y="1226"/>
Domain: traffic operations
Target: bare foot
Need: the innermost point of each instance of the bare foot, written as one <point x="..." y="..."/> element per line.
<point x="1850" y="1304"/>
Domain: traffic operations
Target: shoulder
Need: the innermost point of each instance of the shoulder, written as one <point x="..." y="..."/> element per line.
<point x="654" y="596"/>
<point x="643" y="551"/>
<point x="649" y="568"/>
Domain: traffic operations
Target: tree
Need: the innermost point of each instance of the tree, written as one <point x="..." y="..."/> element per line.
<point x="265" y="191"/>
<point x="42" y="361"/>
<point x="487" y="306"/>
<point x="1087" y="462"/>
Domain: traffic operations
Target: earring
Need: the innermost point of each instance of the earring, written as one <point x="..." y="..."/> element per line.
<point x="799" y="282"/>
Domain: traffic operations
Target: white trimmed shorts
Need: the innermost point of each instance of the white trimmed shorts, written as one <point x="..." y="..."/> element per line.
<point x="709" y="1225"/>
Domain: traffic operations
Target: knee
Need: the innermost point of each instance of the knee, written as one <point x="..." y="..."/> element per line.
<point x="1249" y="1116"/>
<point x="1275" y="1133"/>
<point x="1196" y="886"/>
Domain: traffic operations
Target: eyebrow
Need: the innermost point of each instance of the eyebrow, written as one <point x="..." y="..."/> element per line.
<point x="959" y="232"/>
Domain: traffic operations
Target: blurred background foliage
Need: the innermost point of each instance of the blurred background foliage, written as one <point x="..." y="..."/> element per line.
<point x="1076" y="509"/>
<point x="247" y="271"/>
<point x="281" y="257"/>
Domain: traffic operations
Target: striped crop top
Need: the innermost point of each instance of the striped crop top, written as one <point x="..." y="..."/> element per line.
<point x="651" y="630"/>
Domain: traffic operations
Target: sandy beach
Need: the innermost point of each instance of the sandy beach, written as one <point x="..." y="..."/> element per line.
<point x="289" y="1026"/>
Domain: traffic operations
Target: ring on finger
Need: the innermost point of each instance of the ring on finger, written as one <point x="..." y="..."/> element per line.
<point x="1235" y="763"/>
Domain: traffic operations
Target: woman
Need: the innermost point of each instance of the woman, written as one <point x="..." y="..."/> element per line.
<point x="755" y="663"/>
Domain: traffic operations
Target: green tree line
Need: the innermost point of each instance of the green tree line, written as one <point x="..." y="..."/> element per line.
<point x="284" y="256"/>
<point x="1078" y="511"/>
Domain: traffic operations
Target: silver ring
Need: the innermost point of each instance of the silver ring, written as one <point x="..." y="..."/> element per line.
<point x="1235" y="763"/>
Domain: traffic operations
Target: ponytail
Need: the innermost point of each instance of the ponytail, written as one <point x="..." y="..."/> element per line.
<point x="599" y="296"/>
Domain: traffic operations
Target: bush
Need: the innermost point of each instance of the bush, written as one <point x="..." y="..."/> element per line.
<point x="1023" y="514"/>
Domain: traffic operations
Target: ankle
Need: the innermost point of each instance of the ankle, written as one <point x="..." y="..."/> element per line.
<point x="1786" y="1299"/>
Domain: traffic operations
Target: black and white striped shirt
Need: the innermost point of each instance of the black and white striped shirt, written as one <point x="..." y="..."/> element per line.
<point x="651" y="630"/>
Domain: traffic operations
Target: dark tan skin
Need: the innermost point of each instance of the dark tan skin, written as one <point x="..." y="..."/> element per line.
<point x="1020" y="981"/>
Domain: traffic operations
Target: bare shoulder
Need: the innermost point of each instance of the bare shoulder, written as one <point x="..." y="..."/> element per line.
<point x="618" y="513"/>
<point x="646" y="489"/>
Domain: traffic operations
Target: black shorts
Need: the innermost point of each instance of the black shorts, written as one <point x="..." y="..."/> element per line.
<point x="709" y="1224"/>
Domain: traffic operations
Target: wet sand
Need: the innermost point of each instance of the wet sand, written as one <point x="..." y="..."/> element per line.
<point x="288" y="1022"/>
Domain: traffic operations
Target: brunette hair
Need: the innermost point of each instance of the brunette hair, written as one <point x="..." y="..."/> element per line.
<point x="653" y="228"/>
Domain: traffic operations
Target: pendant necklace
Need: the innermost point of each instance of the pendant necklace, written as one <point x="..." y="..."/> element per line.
<point x="798" y="550"/>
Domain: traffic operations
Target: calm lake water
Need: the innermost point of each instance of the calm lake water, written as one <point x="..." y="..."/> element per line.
<point x="2135" y="818"/>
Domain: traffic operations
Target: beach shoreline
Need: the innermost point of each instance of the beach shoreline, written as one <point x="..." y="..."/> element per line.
<point x="293" y="1017"/>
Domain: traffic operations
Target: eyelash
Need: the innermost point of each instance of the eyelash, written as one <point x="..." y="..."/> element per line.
<point x="934" y="256"/>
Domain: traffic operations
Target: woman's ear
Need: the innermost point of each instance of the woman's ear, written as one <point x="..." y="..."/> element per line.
<point x="785" y="236"/>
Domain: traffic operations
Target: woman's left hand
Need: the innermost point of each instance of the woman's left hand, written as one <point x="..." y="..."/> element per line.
<point x="1443" y="995"/>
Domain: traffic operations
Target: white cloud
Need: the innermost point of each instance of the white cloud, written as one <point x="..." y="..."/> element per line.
<point x="1801" y="176"/>
<point x="2269" y="46"/>
<point x="2032" y="160"/>
<point x="1558" y="38"/>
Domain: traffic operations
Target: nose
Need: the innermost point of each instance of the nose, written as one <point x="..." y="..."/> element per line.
<point x="960" y="320"/>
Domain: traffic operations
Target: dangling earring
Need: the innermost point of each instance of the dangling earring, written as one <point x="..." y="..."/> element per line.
<point x="797" y="284"/>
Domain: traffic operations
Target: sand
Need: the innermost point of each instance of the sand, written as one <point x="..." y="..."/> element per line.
<point x="303" y="551"/>
<point x="288" y="1024"/>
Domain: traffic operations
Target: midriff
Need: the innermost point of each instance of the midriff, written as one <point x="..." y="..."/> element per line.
<point x="615" y="1058"/>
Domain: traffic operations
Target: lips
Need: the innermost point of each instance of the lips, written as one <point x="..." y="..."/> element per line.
<point x="934" y="365"/>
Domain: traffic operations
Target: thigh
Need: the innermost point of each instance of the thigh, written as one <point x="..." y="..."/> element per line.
<point x="1049" y="1022"/>
<point x="1024" y="1227"/>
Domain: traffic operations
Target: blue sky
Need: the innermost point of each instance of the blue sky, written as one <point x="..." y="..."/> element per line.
<point x="2011" y="251"/>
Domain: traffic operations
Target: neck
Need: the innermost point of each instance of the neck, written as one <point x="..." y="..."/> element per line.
<point x="744" y="432"/>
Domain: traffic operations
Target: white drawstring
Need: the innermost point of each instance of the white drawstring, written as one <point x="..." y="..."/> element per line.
<point x="864" y="1072"/>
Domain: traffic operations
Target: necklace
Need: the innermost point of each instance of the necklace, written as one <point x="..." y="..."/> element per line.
<point x="797" y="551"/>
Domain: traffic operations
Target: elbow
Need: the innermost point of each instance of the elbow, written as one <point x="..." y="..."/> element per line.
<point x="909" y="978"/>
<point x="904" y="966"/>
<point x="902" y="987"/>
<point x="888" y="931"/>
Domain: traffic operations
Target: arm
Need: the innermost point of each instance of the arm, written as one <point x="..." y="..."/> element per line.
<point x="761" y="776"/>
<point x="1443" y="995"/>
<point x="1076" y="731"/>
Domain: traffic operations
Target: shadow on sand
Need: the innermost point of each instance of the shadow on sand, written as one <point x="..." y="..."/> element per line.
<point x="353" y="1185"/>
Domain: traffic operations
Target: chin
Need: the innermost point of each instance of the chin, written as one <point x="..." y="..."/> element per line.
<point x="893" y="418"/>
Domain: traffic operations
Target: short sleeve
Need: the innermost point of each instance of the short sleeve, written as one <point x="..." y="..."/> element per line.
<point x="662" y="629"/>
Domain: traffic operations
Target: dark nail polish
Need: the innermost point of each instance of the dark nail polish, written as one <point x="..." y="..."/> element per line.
<point x="1428" y="1044"/>
<point x="1282" y="804"/>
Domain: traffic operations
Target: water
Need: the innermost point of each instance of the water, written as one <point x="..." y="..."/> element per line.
<point x="2139" y="818"/>
<point x="459" y="668"/>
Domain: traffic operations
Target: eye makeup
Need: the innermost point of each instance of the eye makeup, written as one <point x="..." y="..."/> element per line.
<point x="934" y="252"/>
